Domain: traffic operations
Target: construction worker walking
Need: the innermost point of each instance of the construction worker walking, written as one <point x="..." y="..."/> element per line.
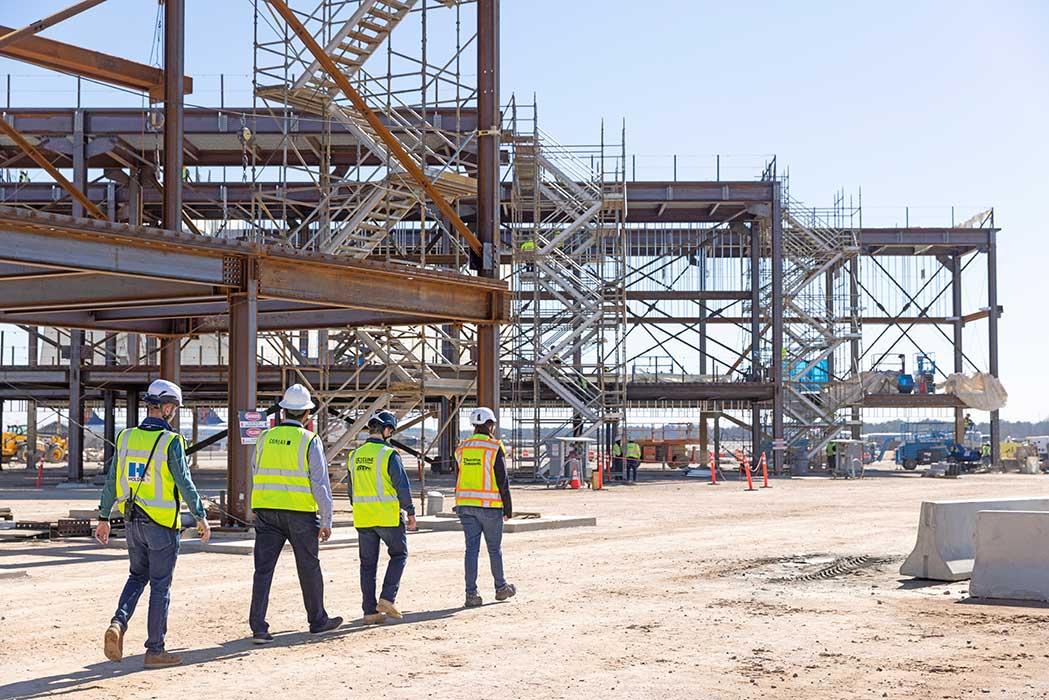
<point x="482" y="500"/>
<point x="145" y="479"/>
<point x="291" y="497"/>
<point x="380" y="494"/>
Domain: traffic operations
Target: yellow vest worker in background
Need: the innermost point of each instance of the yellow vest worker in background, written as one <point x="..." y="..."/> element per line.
<point x="482" y="500"/>
<point x="633" y="461"/>
<point x="379" y="491"/>
<point x="291" y="497"/>
<point x="145" y="479"/>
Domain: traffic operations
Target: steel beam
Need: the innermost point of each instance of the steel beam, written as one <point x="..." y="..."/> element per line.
<point x="66" y="58"/>
<point x="755" y="334"/>
<point x="80" y="200"/>
<point x="49" y="21"/>
<point x="32" y="349"/>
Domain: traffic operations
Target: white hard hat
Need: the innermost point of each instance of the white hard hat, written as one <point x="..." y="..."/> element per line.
<point x="481" y="415"/>
<point x="162" y="391"/>
<point x="297" y="398"/>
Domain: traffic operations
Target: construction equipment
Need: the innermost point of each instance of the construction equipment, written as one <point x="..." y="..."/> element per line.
<point x="927" y="448"/>
<point x="16" y="446"/>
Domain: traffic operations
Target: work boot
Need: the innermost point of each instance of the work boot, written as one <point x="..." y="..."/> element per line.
<point x="332" y="624"/>
<point x="161" y="659"/>
<point x="473" y="600"/>
<point x="376" y="618"/>
<point x="261" y="638"/>
<point x="385" y="606"/>
<point x="507" y="591"/>
<point x="114" y="642"/>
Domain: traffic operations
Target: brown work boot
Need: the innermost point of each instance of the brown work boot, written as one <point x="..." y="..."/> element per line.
<point x="374" y="619"/>
<point x="161" y="659"/>
<point x="385" y="606"/>
<point x="113" y="643"/>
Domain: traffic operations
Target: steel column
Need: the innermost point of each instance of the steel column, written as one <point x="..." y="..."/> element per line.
<point x="755" y="334"/>
<point x="959" y="326"/>
<point x="30" y="420"/>
<point x="778" y="440"/>
<point x="992" y="332"/>
<point x="109" y="405"/>
<point x="854" y="344"/>
<point x="488" y="190"/>
<point x="243" y="342"/>
<point x="131" y="399"/>
<point x="174" y="59"/>
<point x="171" y="365"/>
<point x="76" y="407"/>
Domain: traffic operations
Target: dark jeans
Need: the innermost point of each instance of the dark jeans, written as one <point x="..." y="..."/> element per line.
<point x="153" y="550"/>
<point x="368" y="541"/>
<point x="488" y="522"/>
<point x="631" y="469"/>
<point x="272" y="529"/>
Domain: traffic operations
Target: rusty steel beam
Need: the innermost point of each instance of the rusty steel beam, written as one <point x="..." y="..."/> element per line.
<point x="49" y="21"/>
<point x="38" y="158"/>
<point x="93" y="65"/>
<point x="376" y="124"/>
<point x="205" y="267"/>
<point x="174" y="58"/>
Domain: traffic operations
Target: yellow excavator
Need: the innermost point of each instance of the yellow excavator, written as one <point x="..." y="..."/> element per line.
<point x="16" y="446"/>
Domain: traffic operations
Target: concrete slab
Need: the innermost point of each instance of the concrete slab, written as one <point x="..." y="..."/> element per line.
<point x="447" y="522"/>
<point x="944" y="550"/>
<point x="1012" y="561"/>
<point x="14" y="534"/>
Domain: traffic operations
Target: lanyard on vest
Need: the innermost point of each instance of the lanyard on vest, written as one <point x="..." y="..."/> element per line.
<point x="131" y="503"/>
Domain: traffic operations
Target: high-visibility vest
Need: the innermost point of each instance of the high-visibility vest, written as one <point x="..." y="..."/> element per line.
<point x="147" y="479"/>
<point x="617" y="450"/>
<point x="281" y="477"/>
<point x="633" y="450"/>
<point x="476" y="485"/>
<point x="375" y="501"/>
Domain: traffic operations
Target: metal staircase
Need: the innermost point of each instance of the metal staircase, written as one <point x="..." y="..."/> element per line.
<point x="570" y="305"/>
<point x="818" y="321"/>
<point x="360" y="212"/>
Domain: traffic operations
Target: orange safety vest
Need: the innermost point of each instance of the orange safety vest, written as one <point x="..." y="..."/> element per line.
<point x="476" y="485"/>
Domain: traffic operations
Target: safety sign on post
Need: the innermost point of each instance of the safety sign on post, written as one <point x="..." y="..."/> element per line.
<point x="251" y="424"/>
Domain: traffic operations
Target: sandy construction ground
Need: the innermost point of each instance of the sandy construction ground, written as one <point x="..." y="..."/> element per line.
<point x="682" y="591"/>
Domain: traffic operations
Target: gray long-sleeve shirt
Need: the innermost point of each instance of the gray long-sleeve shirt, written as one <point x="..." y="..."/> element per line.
<point x="320" y="483"/>
<point x="177" y="465"/>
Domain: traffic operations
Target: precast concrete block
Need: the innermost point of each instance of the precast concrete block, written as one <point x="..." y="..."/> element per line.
<point x="944" y="550"/>
<point x="1012" y="560"/>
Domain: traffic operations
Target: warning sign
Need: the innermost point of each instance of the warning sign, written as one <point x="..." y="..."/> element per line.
<point x="251" y="424"/>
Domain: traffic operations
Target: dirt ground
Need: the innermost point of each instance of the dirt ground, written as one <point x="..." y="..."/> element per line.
<point x="683" y="590"/>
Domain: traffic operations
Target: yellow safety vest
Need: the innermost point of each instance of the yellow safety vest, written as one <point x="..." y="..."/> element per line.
<point x="476" y="485"/>
<point x="281" y="478"/>
<point x="617" y="450"/>
<point x="633" y="450"/>
<point x="375" y="501"/>
<point x="147" y="479"/>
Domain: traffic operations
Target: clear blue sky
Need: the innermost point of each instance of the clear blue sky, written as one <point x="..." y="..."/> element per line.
<point x="922" y="104"/>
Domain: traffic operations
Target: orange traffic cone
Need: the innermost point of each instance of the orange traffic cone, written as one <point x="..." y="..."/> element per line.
<point x="575" y="483"/>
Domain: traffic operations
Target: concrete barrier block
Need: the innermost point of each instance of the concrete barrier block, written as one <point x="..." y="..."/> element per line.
<point x="1012" y="561"/>
<point x="944" y="550"/>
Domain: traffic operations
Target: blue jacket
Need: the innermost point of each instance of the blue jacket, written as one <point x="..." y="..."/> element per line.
<point x="177" y="464"/>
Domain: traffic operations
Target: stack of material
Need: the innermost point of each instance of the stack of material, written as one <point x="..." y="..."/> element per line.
<point x="981" y="391"/>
